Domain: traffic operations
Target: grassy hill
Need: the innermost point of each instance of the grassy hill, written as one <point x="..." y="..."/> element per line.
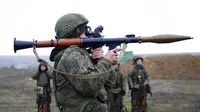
<point x="165" y="66"/>
<point x="184" y="66"/>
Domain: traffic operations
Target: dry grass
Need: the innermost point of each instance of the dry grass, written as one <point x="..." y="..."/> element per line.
<point x="170" y="66"/>
<point x="17" y="93"/>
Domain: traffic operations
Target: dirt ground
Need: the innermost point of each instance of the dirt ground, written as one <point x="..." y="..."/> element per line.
<point x="173" y="96"/>
<point x="17" y="94"/>
<point x="17" y="91"/>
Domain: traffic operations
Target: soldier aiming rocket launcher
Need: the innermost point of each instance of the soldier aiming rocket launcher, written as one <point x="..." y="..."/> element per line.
<point x="98" y="40"/>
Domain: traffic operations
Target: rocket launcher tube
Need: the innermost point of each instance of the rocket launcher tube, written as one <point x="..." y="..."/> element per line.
<point x="89" y="42"/>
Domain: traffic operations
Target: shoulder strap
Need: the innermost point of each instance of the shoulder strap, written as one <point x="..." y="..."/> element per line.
<point x="64" y="73"/>
<point x="54" y="76"/>
<point x="54" y="85"/>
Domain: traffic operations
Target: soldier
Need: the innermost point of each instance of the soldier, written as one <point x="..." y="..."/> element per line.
<point x="138" y="80"/>
<point x="43" y="82"/>
<point x="116" y="93"/>
<point x="78" y="81"/>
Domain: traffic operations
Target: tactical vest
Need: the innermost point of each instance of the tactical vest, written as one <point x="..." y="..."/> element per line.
<point x="43" y="80"/>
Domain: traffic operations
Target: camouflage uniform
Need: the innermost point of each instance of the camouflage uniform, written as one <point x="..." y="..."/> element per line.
<point x="138" y="75"/>
<point x="116" y="93"/>
<point x="43" y="80"/>
<point x="81" y="87"/>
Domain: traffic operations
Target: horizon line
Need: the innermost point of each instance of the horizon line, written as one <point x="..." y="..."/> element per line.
<point x="127" y="51"/>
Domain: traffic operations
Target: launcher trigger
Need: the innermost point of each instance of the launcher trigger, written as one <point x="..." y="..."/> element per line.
<point x="130" y="35"/>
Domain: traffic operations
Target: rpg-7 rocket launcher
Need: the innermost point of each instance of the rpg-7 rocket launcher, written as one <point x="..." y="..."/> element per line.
<point x="98" y="41"/>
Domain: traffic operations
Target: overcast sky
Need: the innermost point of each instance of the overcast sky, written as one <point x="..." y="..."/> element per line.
<point x="35" y="19"/>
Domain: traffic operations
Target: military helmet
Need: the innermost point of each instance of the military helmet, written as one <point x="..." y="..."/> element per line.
<point x="135" y="58"/>
<point x="70" y="25"/>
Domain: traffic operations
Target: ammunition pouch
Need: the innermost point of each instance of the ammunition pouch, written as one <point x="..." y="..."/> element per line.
<point x="40" y="90"/>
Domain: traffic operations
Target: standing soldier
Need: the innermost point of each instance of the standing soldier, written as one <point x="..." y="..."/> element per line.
<point x="78" y="81"/>
<point x="116" y="93"/>
<point x="138" y="80"/>
<point x="43" y="85"/>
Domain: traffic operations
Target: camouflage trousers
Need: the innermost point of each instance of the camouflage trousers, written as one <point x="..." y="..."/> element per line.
<point x="115" y="102"/>
<point x="138" y="103"/>
<point x="39" y="100"/>
<point x="39" y="97"/>
<point x="48" y="99"/>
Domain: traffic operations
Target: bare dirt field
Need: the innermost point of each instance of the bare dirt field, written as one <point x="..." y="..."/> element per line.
<point x="17" y="91"/>
<point x="173" y="96"/>
<point x="175" y="88"/>
<point x="17" y="94"/>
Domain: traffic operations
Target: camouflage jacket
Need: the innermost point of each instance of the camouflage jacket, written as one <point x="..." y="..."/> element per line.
<point x="83" y="80"/>
<point x="43" y="78"/>
<point x="133" y="74"/>
<point x="120" y="84"/>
